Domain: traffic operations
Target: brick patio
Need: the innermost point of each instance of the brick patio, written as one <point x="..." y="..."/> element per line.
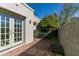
<point x="19" y="50"/>
<point x="38" y="49"/>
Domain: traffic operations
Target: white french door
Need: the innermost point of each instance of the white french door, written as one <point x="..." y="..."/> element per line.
<point x="11" y="31"/>
<point x="4" y="31"/>
<point x="17" y="31"/>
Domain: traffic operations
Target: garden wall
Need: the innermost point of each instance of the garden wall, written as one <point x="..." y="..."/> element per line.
<point x="69" y="38"/>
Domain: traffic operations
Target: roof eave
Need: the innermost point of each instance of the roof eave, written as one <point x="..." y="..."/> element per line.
<point x="28" y="7"/>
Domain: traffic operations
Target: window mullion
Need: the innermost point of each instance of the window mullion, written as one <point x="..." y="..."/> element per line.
<point x="0" y="30"/>
<point x="5" y="31"/>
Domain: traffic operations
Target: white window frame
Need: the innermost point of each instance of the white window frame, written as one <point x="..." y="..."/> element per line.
<point x="11" y="34"/>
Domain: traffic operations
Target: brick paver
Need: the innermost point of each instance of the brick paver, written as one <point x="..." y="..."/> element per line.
<point x="38" y="49"/>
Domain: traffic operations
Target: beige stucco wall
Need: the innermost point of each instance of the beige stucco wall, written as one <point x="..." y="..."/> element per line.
<point x="37" y="20"/>
<point x="22" y="10"/>
<point x="69" y="38"/>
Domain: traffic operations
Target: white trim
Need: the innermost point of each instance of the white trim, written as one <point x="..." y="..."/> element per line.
<point x="27" y="6"/>
<point x="37" y="18"/>
<point x="0" y="31"/>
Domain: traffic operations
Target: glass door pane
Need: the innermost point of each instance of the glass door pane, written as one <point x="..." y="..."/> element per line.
<point x="4" y="31"/>
<point x="18" y="30"/>
<point x="11" y="31"/>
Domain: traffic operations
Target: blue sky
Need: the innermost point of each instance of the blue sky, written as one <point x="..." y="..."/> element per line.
<point x="42" y="9"/>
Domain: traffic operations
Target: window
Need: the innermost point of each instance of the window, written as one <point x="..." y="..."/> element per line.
<point x="18" y="30"/>
<point x="4" y="30"/>
<point x="29" y="21"/>
<point x="10" y="31"/>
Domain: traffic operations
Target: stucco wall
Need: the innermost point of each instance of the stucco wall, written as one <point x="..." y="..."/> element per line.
<point x="24" y="11"/>
<point x="21" y="9"/>
<point x="69" y="38"/>
<point x="37" y="20"/>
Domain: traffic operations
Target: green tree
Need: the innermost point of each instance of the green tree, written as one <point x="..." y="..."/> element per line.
<point x="49" y="21"/>
<point x="68" y="10"/>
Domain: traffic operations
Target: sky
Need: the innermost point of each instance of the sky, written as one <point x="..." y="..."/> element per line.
<point x="42" y="9"/>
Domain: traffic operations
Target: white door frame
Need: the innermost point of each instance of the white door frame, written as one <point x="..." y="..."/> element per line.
<point x="11" y="34"/>
<point x="6" y="46"/>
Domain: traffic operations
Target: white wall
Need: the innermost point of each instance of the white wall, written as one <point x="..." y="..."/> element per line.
<point x="17" y="9"/>
<point x="37" y="20"/>
<point x="22" y="10"/>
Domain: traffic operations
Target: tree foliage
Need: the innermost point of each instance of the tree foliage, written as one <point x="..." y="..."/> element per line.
<point x="49" y="21"/>
<point x="68" y="10"/>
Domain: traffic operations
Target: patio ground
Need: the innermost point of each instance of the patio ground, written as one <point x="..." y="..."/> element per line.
<point x="38" y="49"/>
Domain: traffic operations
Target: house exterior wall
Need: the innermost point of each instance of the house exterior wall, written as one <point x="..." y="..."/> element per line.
<point x="37" y="20"/>
<point x="69" y="38"/>
<point x="22" y="10"/>
<point x="25" y="11"/>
